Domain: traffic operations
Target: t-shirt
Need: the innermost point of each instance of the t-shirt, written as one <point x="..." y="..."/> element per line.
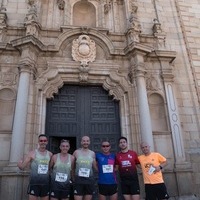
<point x="127" y="165"/>
<point x="146" y="162"/>
<point x="106" y="172"/>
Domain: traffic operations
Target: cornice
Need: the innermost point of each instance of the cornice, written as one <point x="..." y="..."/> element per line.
<point x="29" y="39"/>
<point x="164" y="55"/>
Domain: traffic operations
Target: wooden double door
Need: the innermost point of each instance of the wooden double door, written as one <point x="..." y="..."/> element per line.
<point x="82" y="110"/>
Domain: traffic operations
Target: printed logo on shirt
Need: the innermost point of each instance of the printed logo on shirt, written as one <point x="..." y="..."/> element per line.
<point x="126" y="163"/>
<point x="75" y="192"/>
<point x="32" y="192"/>
<point x="129" y="156"/>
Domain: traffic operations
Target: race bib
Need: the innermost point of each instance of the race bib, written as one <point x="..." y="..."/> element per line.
<point x="84" y="172"/>
<point x="61" y="177"/>
<point x="42" y="169"/>
<point x="107" y="168"/>
<point x="151" y="170"/>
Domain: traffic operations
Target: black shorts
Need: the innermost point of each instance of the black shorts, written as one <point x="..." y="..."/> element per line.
<point x="61" y="194"/>
<point x="131" y="187"/>
<point x="156" y="191"/>
<point x="107" y="189"/>
<point x="84" y="189"/>
<point x="38" y="190"/>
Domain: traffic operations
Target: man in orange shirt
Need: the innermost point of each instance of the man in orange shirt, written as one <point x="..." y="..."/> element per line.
<point x="152" y="164"/>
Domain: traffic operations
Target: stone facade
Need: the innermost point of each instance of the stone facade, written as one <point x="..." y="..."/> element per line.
<point x="145" y="53"/>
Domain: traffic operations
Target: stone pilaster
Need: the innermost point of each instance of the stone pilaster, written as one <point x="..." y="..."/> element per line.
<point x="173" y="111"/>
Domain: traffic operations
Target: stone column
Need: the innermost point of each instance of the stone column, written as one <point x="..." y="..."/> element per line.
<point x="20" y="117"/>
<point x="144" y="112"/>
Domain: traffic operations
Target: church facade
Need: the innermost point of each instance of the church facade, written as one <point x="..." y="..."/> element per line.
<point x="103" y="68"/>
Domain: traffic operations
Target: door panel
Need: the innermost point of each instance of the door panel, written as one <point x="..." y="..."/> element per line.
<point x="79" y="110"/>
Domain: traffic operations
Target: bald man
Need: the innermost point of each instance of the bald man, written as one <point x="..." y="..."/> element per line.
<point x="85" y="163"/>
<point x="152" y="164"/>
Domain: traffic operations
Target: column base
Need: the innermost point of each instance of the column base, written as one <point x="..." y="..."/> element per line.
<point x="13" y="186"/>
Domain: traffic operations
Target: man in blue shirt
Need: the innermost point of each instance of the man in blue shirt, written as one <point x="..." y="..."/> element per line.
<point x="107" y="181"/>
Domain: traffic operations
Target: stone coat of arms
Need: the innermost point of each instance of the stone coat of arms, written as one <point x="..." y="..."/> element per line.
<point x="84" y="50"/>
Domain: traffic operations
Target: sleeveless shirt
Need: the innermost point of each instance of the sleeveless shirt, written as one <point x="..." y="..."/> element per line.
<point x="84" y="167"/>
<point x="61" y="173"/>
<point x="39" y="174"/>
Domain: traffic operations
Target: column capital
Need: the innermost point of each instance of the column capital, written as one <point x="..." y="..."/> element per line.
<point x="167" y="77"/>
<point x="137" y="68"/>
<point x="27" y="65"/>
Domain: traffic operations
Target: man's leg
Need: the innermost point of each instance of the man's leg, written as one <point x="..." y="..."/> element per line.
<point x="88" y="197"/>
<point x="135" y="197"/>
<point x="31" y="197"/>
<point x="113" y="197"/>
<point x="45" y="198"/>
<point x="102" y="197"/>
<point x="78" y="197"/>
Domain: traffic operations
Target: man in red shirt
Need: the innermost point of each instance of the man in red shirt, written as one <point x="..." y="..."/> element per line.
<point x="126" y="161"/>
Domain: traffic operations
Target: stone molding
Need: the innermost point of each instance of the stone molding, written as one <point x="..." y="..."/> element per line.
<point x="58" y="74"/>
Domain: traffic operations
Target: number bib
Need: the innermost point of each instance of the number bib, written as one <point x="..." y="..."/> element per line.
<point x="107" y="168"/>
<point x="151" y="170"/>
<point x="61" y="177"/>
<point x="42" y="169"/>
<point x="84" y="172"/>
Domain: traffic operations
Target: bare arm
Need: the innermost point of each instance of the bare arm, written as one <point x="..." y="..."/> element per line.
<point x="72" y="167"/>
<point x="116" y="168"/>
<point x="23" y="164"/>
<point x="52" y="161"/>
<point x="162" y="164"/>
<point x="94" y="163"/>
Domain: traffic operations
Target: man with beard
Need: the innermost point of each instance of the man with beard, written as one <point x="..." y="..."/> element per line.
<point x="39" y="176"/>
<point x="84" y="182"/>
<point x="126" y="161"/>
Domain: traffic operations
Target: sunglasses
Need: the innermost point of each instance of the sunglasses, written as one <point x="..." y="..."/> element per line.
<point x="43" y="140"/>
<point x="105" y="146"/>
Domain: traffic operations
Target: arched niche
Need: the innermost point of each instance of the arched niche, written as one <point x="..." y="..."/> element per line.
<point x="7" y="104"/>
<point x="157" y="112"/>
<point x="84" y="14"/>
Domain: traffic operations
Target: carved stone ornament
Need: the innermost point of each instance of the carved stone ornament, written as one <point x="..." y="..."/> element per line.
<point x="84" y="50"/>
<point x="61" y="4"/>
<point x="8" y="78"/>
<point x="107" y="7"/>
<point x="153" y="83"/>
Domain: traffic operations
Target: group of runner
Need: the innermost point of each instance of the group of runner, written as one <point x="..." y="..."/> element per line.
<point x="58" y="176"/>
